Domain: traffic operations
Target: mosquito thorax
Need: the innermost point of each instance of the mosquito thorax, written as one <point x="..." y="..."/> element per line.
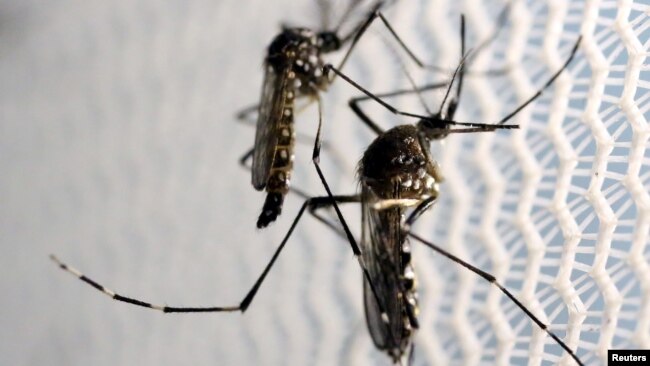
<point x="300" y="49"/>
<point x="397" y="157"/>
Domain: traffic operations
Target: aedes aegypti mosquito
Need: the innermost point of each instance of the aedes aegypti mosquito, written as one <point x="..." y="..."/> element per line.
<point x="293" y="67"/>
<point x="396" y="173"/>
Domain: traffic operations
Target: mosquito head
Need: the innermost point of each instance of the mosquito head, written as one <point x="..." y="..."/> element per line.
<point x="434" y="128"/>
<point x="328" y="41"/>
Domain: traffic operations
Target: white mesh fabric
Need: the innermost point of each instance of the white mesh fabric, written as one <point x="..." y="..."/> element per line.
<point x="118" y="151"/>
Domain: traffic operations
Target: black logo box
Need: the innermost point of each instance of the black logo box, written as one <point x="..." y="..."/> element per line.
<point x="628" y="357"/>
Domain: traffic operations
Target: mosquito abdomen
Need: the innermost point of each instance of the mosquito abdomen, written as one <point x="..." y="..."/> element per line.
<point x="277" y="185"/>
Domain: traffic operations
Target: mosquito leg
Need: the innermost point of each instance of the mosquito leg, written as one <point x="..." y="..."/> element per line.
<point x="394" y="110"/>
<point x="411" y="354"/>
<point x="245" y="303"/>
<point x="133" y="301"/>
<point x="243" y="161"/>
<point x="354" y="103"/>
<point x="327" y="68"/>
<point x="316" y="161"/>
<point x="315" y="206"/>
<point x="426" y="205"/>
<point x="423" y="207"/>
<point x="351" y="240"/>
<point x="357" y="33"/>
<point x="548" y="83"/>
<point x="488" y="277"/>
<point x="453" y="104"/>
<point x="244" y="113"/>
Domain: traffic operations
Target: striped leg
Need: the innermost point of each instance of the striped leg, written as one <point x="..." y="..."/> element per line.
<point x="313" y="201"/>
<point x="129" y="300"/>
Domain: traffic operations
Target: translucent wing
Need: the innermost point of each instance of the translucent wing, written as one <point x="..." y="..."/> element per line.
<point x="272" y="102"/>
<point x="381" y="249"/>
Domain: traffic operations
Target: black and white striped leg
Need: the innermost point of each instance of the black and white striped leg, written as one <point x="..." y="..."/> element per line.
<point x="313" y="204"/>
<point x="245" y="303"/>
<point x="115" y="296"/>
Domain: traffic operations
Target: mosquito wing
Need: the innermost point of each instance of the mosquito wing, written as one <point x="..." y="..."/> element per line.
<point x="272" y="102"/>
<point x="381" y="246"/>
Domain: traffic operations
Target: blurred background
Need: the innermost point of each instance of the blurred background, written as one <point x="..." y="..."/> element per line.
<point x="119" y="149"/>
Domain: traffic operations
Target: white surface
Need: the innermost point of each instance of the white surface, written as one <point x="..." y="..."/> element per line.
<point x="118" y="149"/>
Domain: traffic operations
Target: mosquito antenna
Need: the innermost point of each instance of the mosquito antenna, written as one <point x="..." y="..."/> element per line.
<point x="451" y="83"/>
<point x="462" y="68"/>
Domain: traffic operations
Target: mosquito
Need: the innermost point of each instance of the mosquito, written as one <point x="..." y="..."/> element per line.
<point x="398" y="176"/>
<point x="292" y="68"/>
